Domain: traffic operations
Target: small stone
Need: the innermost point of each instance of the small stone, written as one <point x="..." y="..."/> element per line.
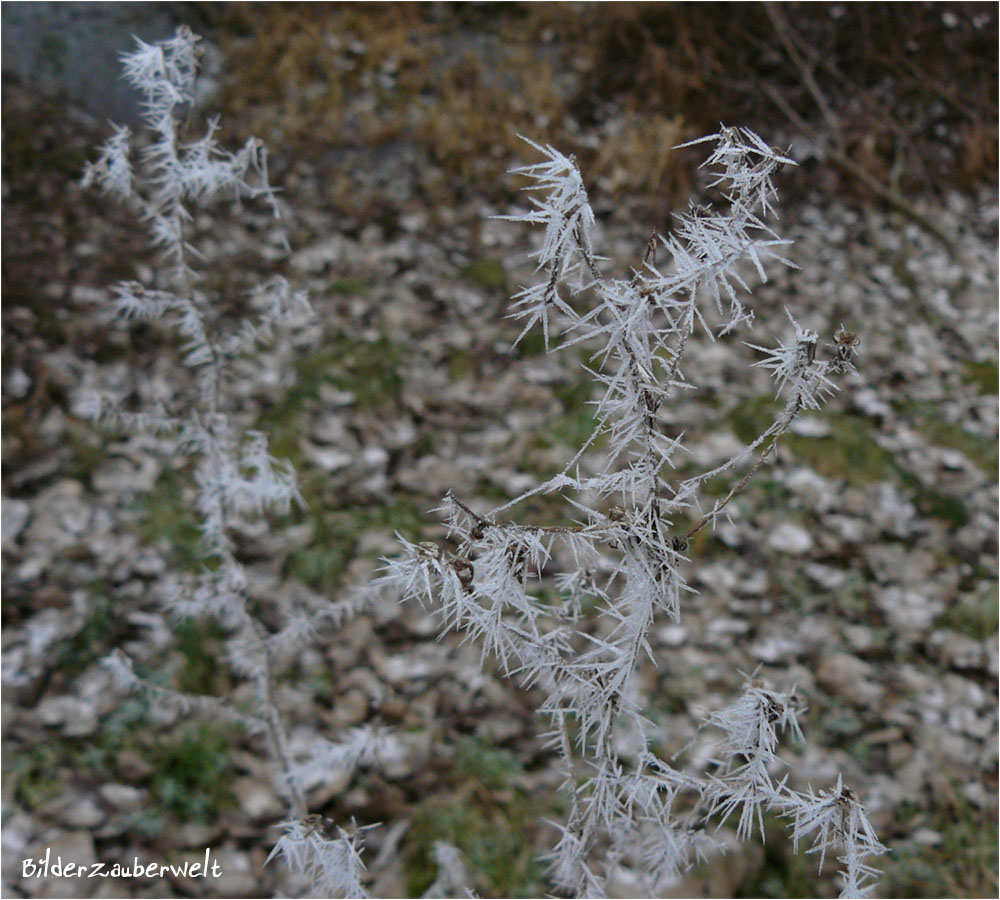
<point x="777" y="648"/>
<point x="73" y="809"/>
<point x="724" y="629"/>
<point x="953" y="460"/>
<point x="126" y="474"/>
<point x="332" y="396"/>
<point x="402" y="671"/>
<point x="393" y="710"/>
<point x="192" y="834"/>
<point x="900" y="754"/>
<point x="889" y="735"/>
<point x="715" y="448"/>
<point x="827" y="577"/>
<point x="399" y="756"/>
<point x="351" y="707"/>
<point x="238" y="877"/>
<point x="849" y="677"/>
<point x="375" y="457"/>
<point x="672" y="635"/>
<point x="907" y="610"/>
<point x="860" y="639"/>
<point x="329" y="459"/>
<point x="977" y="795"/>
<point x="123" y="796"/>
<point x="810" y="426"/>
<point x="893" y="513"/>
<point x="78" y="717"/>
<point x="17" y="384"/>
<point x="66" y="848"/>
<point x="871" y="404"/>
<point x="18" y="831"/>
<point x="957" y="651"/>
<point x="790" y="538"/>
<point x="132" y="768"/>
<point x="15" y="516"/>
<point x="927" y="837"/>
<point x="258" y="800"/>
<point x="148" y="564"/>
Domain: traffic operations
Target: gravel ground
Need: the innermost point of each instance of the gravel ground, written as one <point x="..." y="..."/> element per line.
<point x="860" y="565"/>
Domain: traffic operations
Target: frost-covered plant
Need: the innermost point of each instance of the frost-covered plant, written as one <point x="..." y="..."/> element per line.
<point x="628" y="548"/>
<point x="237" y="479"/>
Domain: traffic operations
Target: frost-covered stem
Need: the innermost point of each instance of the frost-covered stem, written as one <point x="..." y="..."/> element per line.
<point x="276" y="729"/>
<point x="236" y="477"/>
<point x="264" y="678"/>
<point x="625" y="556"/>
<point x="742" y="483"/>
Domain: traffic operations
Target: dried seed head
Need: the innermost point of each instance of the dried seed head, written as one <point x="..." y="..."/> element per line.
<point x="845" y="339"/>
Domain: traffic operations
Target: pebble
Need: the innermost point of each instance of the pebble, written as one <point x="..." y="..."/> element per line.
<point x="16" y="514"/>
<point x="257" y="800"/>
<point x="790" y="538"/>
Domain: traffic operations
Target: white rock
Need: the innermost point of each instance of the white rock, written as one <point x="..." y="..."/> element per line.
<point x="238" y="878"/>
<point x="870" y="403"/>
<point x="329" y="459"/>
<point x="953" y="460"/>
<point x="74" y="810"/>
<point x="908" y="610"/>
<point x="257" y="799"/>
<point x="77" y="717"/>
<point x="332" y="396"/>
<point x="893" y="513"/>
<point x="847" y="676"/>
<point x="123" y="796"/>
<point x="68" y="848"/>
<point x="134" y="473"/>
<point x="17" y="384"/>
<point x="790" y="538"/>
<point x="672" y="635"/>
<point x="18" y="831"/>
<point x="15" y="515"/>
<point x="827" y="577"/>
<point x="775" y="648"/>
<point x="815" y="490"/>
<point x="810" y="426"/>
<point x="375" y="457"/>
<point x="957" y="651"/>
<point x="715" y="448"/>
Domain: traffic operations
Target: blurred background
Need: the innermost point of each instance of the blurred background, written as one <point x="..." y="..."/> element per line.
<point x="861" y="565"/>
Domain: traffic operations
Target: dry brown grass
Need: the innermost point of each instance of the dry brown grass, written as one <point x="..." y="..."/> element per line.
<point x="913" y="86"/>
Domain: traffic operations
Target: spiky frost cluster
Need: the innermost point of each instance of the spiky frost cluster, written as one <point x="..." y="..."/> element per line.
<point x="174" y="173"/>
<point x="236" y="478"/>
<point x="626" y="546"/>
<point x="331" y="865"/>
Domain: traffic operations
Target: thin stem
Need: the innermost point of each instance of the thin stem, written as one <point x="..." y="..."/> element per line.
<point x="742" y="483"/>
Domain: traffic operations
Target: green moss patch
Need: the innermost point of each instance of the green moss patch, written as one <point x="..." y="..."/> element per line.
<point x="193" y="774"/>
<point x="488" y="274"/>
<point x="166" y="515"/>
<point x="984" y="375"/>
